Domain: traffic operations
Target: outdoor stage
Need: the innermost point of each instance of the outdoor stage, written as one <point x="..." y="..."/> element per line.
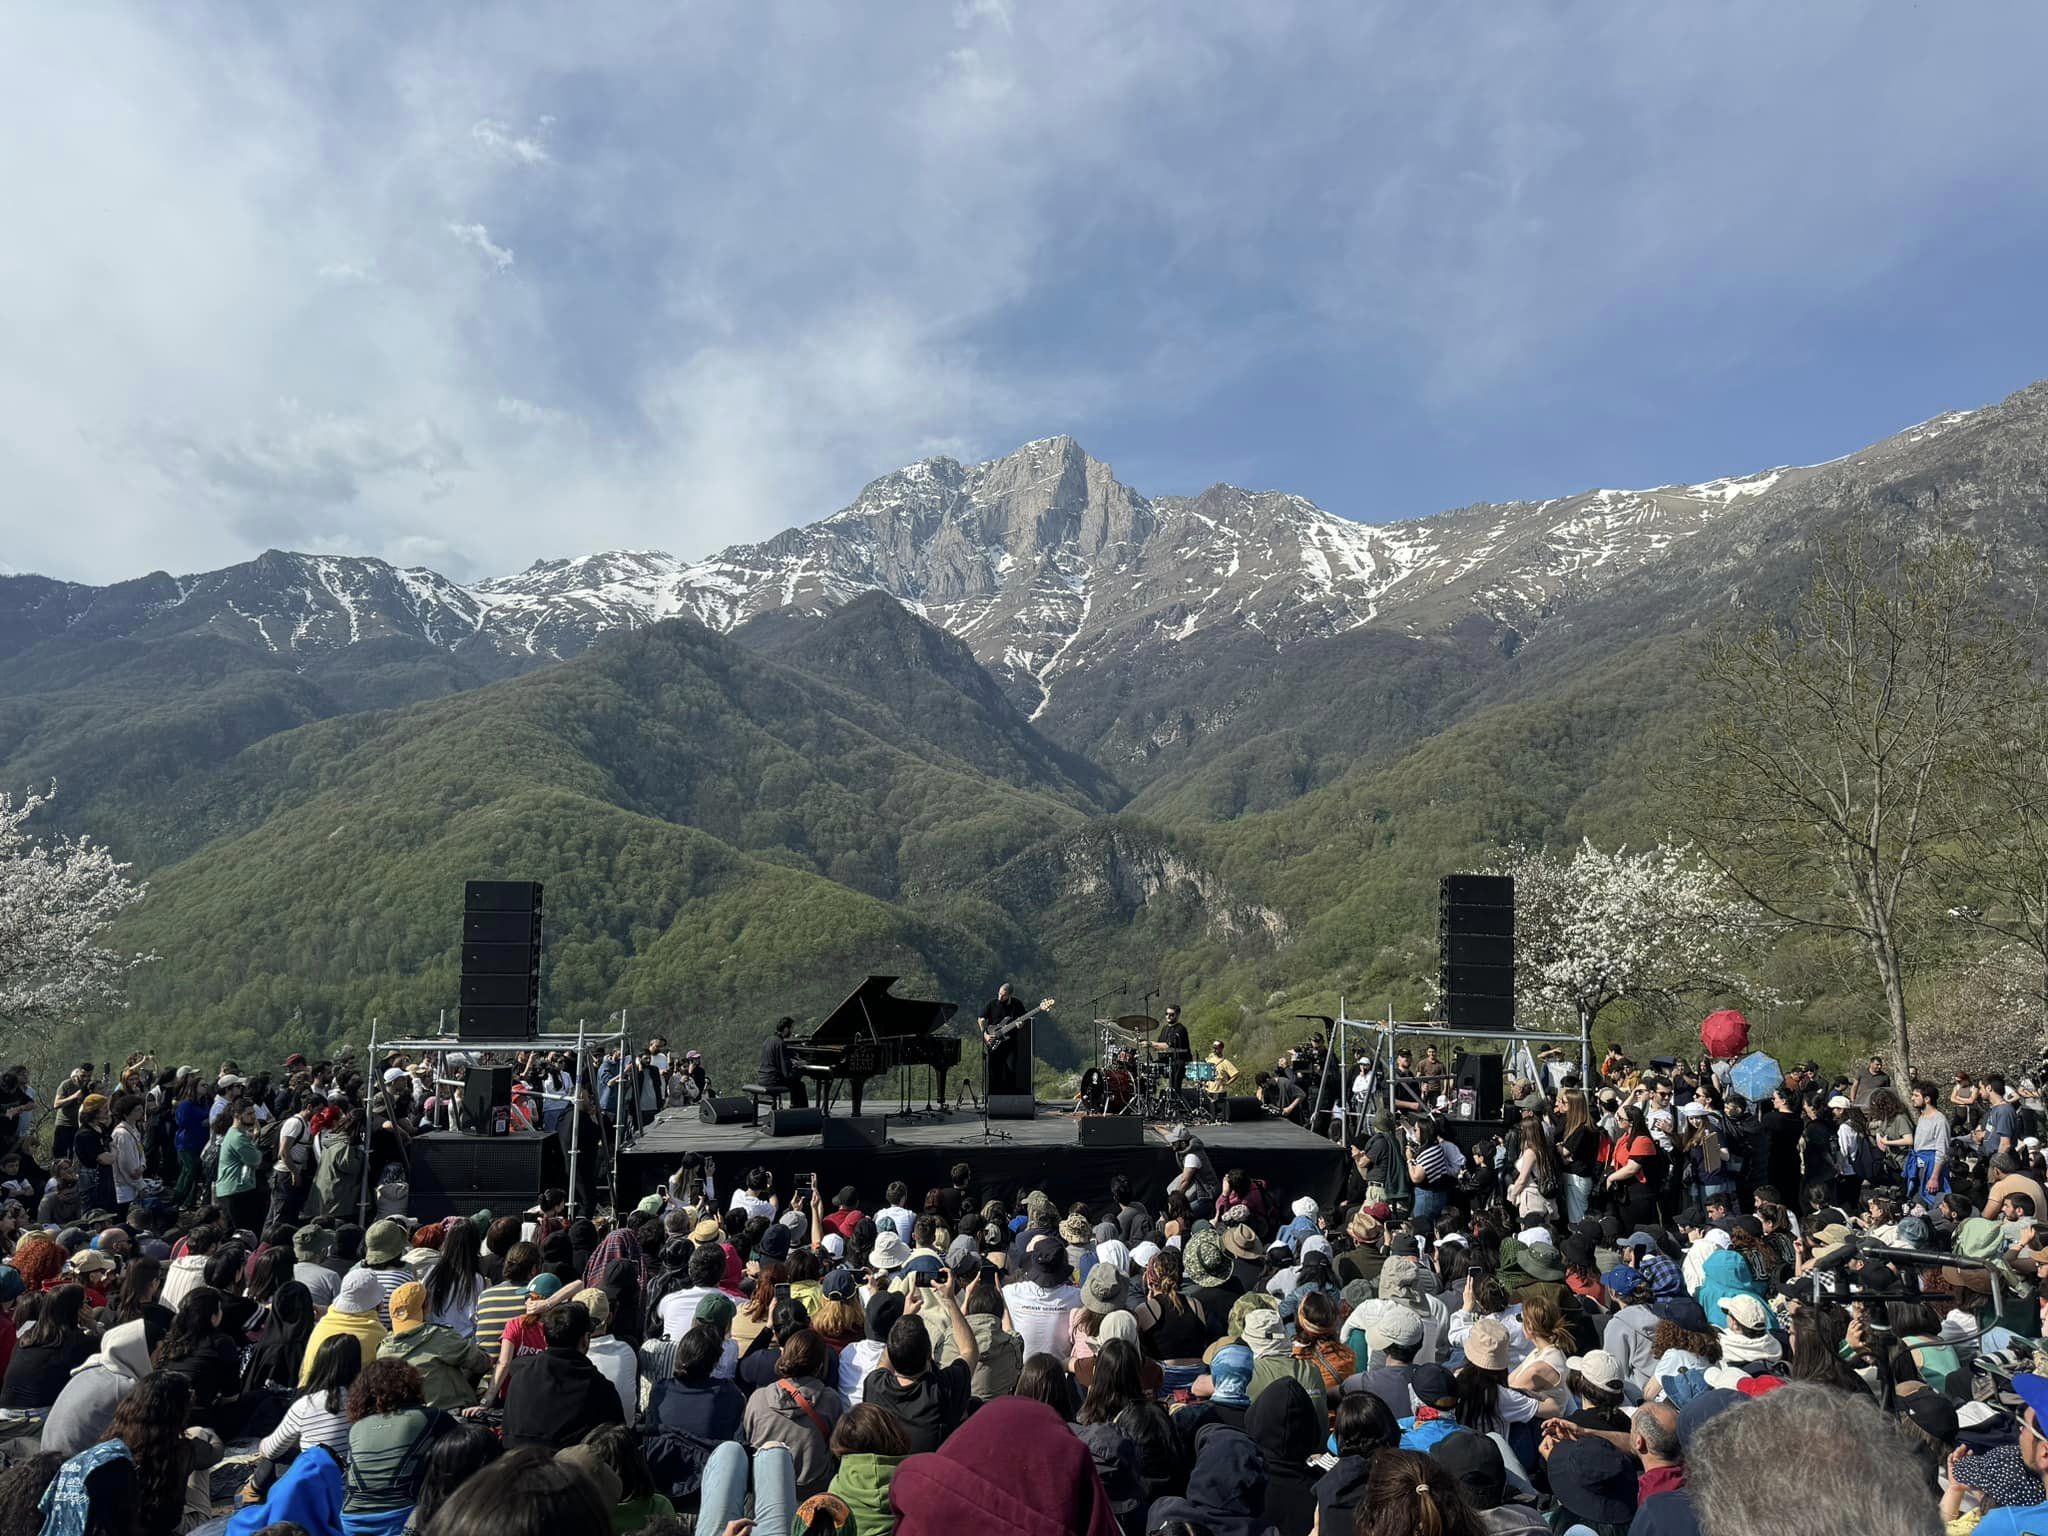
<point x="1041" y="1153"/>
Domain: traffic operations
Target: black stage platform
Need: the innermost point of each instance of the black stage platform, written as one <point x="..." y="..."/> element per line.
<point x="1042" y="1153"/>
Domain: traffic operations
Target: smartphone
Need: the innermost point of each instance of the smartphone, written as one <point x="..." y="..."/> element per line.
<point x="782" y="1290"/>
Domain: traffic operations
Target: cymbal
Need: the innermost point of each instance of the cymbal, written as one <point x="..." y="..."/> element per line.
<point x="1142" y="1022"/>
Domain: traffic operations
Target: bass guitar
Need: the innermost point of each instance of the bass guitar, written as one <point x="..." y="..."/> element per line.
<point x="1003" y="1031"/>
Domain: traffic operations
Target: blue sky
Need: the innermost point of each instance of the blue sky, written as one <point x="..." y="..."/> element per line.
<point x="468" y="286"/>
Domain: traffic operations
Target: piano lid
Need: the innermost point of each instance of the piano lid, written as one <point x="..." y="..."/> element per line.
<point x="872" y="1012"/>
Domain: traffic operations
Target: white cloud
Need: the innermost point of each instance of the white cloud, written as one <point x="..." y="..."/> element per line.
<point x="793" y="248"/>
<point x="480" y="237"/>
<point x="520" y="148"/>
<point x="347" y="271"/>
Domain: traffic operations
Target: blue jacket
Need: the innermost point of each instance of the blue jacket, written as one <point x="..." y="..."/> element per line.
<point x="191" y="1122"/>
<point x="308" y="1495"/>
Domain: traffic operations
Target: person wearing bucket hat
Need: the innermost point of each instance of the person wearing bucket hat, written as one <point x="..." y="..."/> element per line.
<point x="1593" y="1481"/>
<point x="1205" y="1261"/>
<point x="1106" y="1290"/>
<point x="384" y="1248"/>
<point x="353" y="1313"/>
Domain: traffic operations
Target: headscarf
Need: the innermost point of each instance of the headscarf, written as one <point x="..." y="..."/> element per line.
<point x="1013" y="1467"/>
<point x="620" y="1243"/>
<point x="1112" y="1252"/>
<point x="280" y="1349"/>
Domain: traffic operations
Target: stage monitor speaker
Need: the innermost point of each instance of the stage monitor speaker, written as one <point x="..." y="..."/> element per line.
<point x="499" y="993"/>
<point x="857" y="1133"/>
<point x="1239" y="1107"/>
<point x="1480" y="1074"/>
<point x="716" y="1110"/>
<point x="1476" y="929"/>
<point x="1012" y="1106"/>
<point x="1110" y="1131"/>
<point x="795" y="1122"/>
<point x="486" y="1104"/>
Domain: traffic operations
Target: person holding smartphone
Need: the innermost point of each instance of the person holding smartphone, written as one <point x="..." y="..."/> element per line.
<point x="930" y="1400"/>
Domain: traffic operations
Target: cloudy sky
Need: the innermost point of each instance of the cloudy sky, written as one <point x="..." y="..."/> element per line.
<point x="466" y="286"/>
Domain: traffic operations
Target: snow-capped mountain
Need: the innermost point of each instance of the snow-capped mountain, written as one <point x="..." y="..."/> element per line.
<point x="1042" y="561"/>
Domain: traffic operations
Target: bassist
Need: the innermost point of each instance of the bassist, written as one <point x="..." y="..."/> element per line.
<point x="1009" y="1053"/>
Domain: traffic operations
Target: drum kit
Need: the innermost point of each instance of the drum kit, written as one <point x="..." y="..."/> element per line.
<point x="1133" y="1078"/>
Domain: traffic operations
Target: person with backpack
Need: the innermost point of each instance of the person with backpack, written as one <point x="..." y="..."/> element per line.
<point x="1857" y="1156"/>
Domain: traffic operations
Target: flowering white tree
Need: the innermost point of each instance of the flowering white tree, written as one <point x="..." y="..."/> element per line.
<point x="54" y="902"/>
<point x="1594" y="929"/>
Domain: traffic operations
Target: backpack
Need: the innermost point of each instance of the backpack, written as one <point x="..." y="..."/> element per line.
<point x="676" y="1460"/>
<point x="1870" y="1161"/>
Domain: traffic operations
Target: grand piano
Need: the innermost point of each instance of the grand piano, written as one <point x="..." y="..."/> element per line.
<point x="873" y="1032"/>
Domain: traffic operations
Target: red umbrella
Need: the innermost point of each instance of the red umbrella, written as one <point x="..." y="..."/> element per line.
<point x="1725" y="1033"/>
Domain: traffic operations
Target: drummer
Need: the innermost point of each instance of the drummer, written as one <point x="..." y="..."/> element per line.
<point x="1222" y="1071"/>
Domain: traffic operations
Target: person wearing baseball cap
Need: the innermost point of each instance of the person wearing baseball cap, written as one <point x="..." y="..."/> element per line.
<point x="450" y="1366"/>
<point x="1392" y="1338"/>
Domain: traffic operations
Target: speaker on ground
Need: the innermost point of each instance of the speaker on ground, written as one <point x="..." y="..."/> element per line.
<point x="1241" y="1107"/>
<point x="1110" y="1131"/>
<point x="1012" y="1106"/>
<point x="858" y="1133"/>
<point x="737" y="1109"/>
<point x="795" y="1122"/>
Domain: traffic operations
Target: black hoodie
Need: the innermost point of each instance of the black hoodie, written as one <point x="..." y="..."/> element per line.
<point x="1341" y="1490"/>
<point x="1289" y="1429"/>
<point x="1226" y="1491"/>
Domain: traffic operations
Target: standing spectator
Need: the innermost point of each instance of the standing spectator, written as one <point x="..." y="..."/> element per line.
<point x="237" y="1185"/>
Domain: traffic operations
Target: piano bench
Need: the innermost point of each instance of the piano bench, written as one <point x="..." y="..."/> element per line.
<point x="760" y="1094"/>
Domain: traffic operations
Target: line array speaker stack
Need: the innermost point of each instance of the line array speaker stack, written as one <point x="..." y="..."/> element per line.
<point x="1476" y="924"/>
<point x="500" y="961"/>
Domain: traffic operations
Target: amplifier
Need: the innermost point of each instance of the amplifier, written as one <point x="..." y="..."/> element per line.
<point x="736" y="1109"/>
<point x="859" y="1133"/>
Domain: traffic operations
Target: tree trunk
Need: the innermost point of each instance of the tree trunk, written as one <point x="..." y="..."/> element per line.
<point x="1892" y="975"/>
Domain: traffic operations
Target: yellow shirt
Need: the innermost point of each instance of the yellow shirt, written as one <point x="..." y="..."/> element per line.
<point x="1226" y="1074"/>
<point x="362" y="1326"/>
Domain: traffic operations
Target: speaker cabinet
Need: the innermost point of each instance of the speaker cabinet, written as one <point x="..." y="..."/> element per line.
<point x="486" y="1107"/>
<point x="1476" y="929"/>
<point x="1110" y="1131"/>
<point x="1012" y="1106"/>
<point x="716" y="1110"/>
<point x="1479" y="1076"/>
<point x="860" y="1133"/>
<point x="500" y="989"/>
<point x="457" y="1175"/>
<point x="1241" y="1107"/>
<point x="796" y="1122"/>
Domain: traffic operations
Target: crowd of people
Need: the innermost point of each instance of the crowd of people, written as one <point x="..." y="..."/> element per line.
<point x="1640" y="1303"/>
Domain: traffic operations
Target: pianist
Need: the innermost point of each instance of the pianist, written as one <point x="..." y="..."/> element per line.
<point x="778" y="1070"/>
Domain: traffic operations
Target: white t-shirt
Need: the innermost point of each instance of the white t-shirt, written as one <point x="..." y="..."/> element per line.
<point x="678" y="1309"/>
<point x="746" y="1200"/>
<point x="902" y="1218"/>
<point x="293" y="1132"/>
<point x="1043" y="1319"/>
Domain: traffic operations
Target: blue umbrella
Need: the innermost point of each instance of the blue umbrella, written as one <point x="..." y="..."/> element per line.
<point x="1755" y="1076"/>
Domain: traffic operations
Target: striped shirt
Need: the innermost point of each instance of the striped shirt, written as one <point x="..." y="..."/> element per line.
<point x="307" y="1423"/>
<point x="496" y="1307"/>
<point x="1433" y="1164"/>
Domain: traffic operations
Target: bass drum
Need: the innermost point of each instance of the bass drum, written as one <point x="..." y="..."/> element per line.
<point x="1117" y="1090"/>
